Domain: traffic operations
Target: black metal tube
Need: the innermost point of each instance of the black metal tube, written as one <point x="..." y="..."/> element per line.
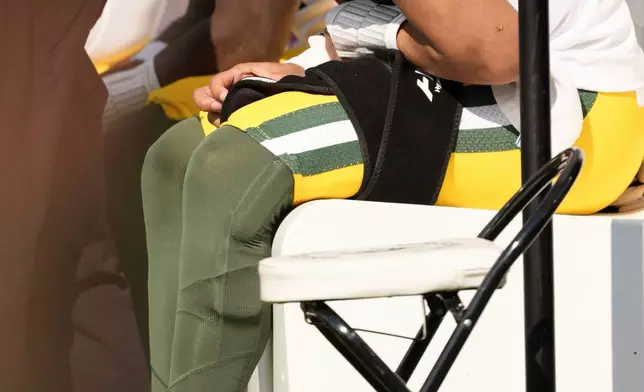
<point x="353" y="348"/>
<point x="416" y="350"/>
<point x="534" y="45"/>
<point x="567" y="165"/>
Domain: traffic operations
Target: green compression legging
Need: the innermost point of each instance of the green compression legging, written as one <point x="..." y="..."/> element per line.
<point x="207" y="228"/>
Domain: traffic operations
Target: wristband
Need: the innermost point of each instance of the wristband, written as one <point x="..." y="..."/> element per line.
<point x="361" y="26"/>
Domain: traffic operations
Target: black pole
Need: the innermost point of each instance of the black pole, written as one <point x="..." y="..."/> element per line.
<point x="534" y="56"/>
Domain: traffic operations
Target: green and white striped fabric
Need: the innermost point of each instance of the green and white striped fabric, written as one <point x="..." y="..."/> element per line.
<point x="320" y="138"/>
<point x="313" y="140"/>
<point x="484" y="128"/>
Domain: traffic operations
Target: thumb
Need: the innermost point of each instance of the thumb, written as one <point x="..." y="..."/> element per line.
<point x="204" y="99"/>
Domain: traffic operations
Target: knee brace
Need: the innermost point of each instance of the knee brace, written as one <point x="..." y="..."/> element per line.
<point x="407" y="127"/>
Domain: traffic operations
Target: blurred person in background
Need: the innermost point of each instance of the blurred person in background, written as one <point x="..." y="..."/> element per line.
<point x="67" y="323"/>
<point x="67" y="320"/>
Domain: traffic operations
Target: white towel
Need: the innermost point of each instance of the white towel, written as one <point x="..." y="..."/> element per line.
<point x="315" y="55"/>
<point x="593" y="47"/>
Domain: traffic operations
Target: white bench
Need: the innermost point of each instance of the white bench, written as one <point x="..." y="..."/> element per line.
<point x="599" y="283"/>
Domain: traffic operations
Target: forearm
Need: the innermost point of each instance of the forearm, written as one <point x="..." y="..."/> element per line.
<point x="251" y="30"/>
<point x="473" y="41"/>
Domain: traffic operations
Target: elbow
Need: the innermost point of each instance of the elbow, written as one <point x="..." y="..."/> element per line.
<point x="499" y="65"/>
<point x="500" y="72"/>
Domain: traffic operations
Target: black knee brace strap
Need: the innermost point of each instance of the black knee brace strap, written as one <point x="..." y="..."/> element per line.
<point x="407" y="122"/>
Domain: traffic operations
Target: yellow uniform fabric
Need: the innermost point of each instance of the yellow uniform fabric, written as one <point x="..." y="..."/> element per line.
<point x="612" y="140"/>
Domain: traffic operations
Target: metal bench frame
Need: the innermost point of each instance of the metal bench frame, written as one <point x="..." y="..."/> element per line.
<point x="565" y="167"/>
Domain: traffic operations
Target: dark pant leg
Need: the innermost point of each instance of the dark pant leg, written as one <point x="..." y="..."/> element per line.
<point x="189" y="54"/>
<point x="197" y="10"/>
<point x="107" y="353"/>
<point x="127" y="141"/>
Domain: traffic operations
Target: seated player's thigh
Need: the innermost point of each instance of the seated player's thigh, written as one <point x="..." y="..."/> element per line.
<point x="611" y="140"/>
